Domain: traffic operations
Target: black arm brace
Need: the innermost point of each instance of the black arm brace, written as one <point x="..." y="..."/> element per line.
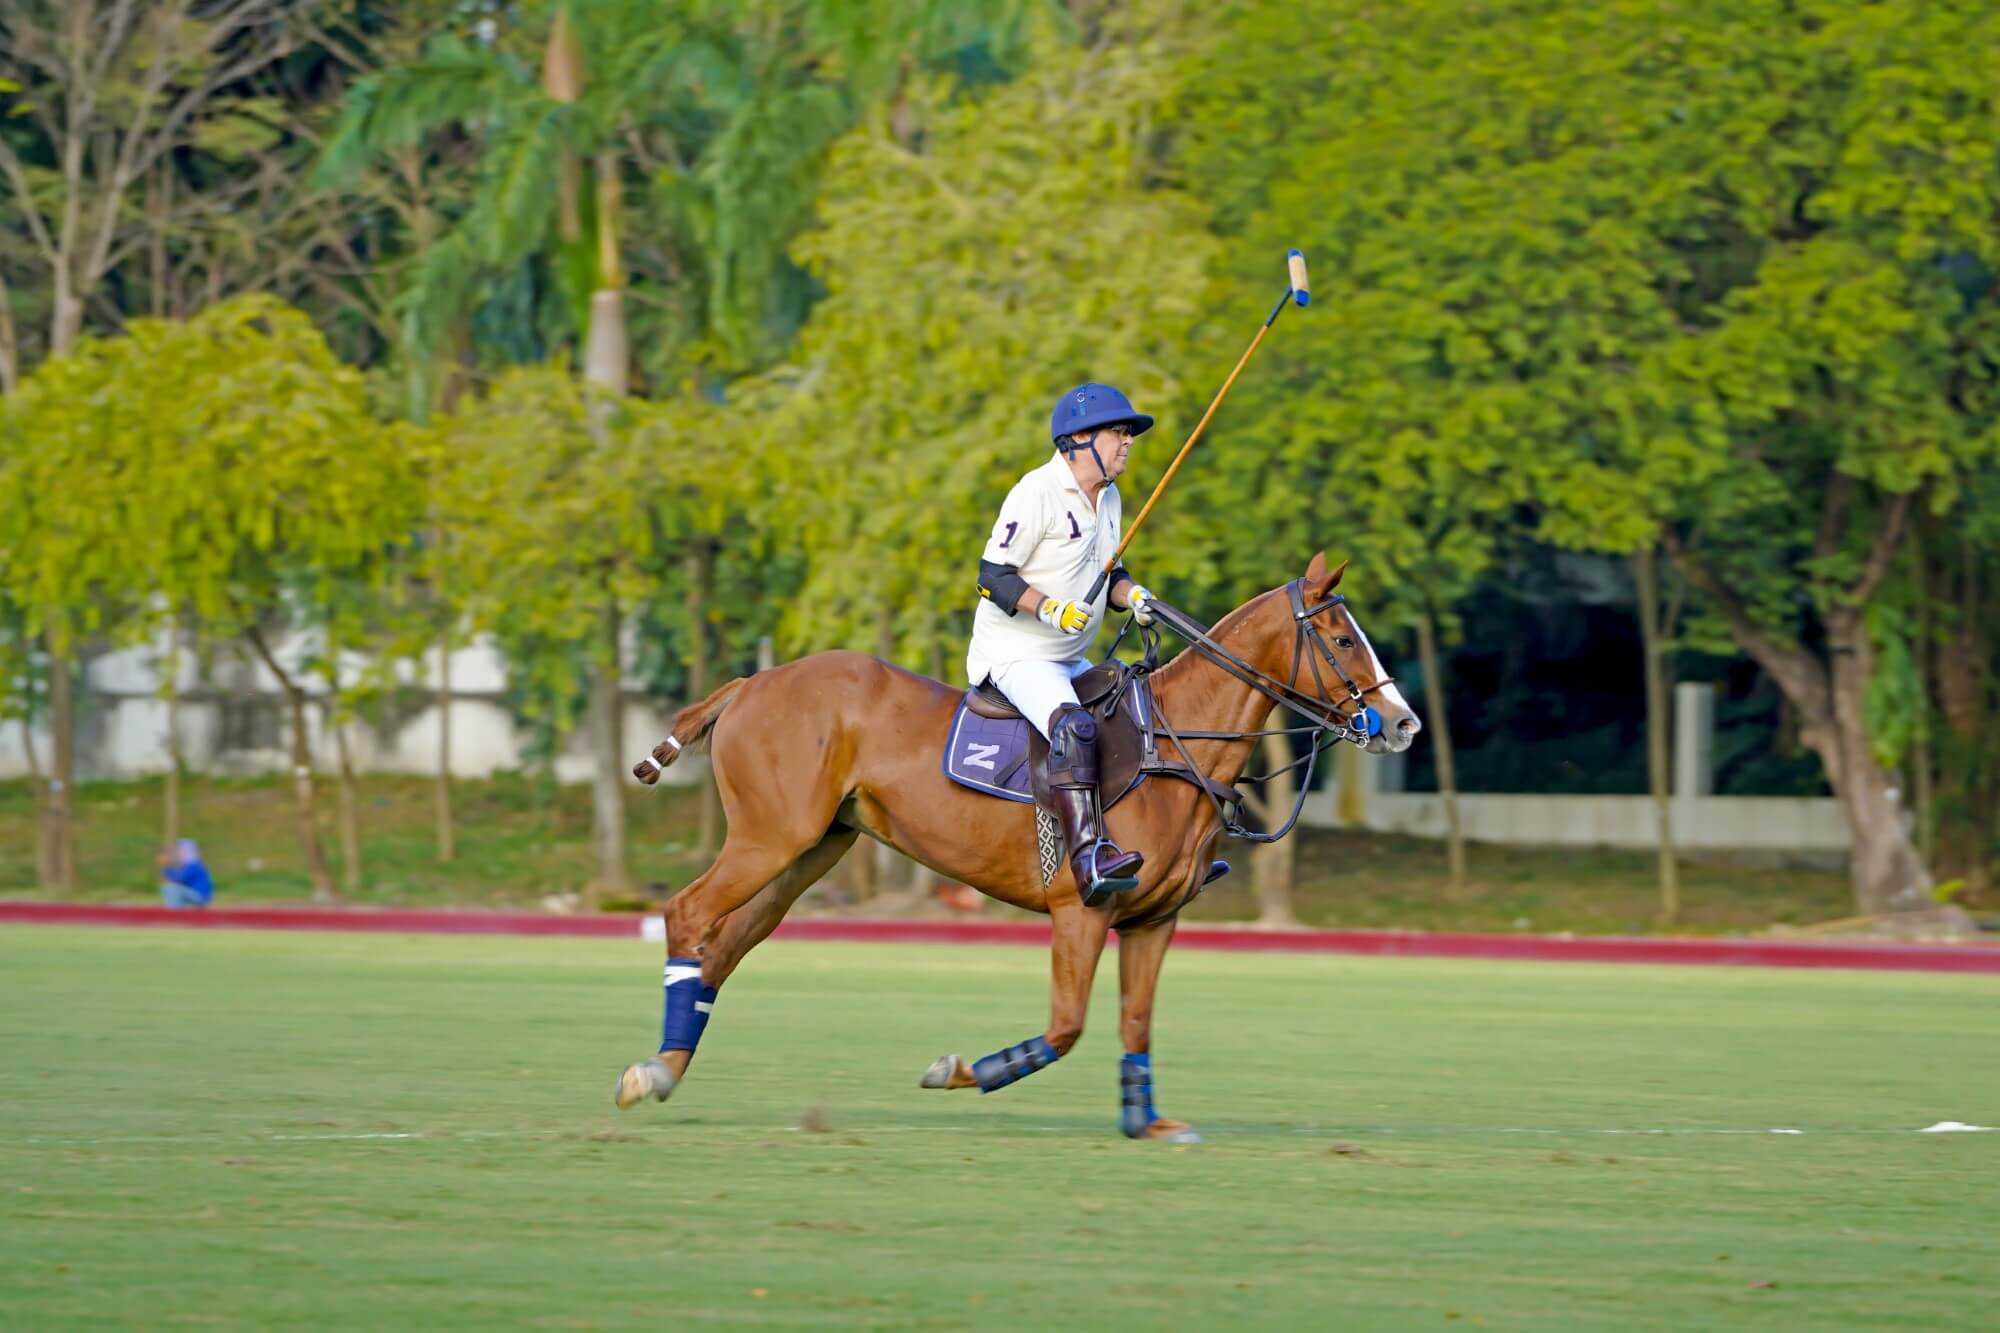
<point x="1119" y="572"/>
<point x="1002" y="585"/>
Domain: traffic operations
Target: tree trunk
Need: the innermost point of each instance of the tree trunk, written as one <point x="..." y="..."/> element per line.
<point x="175" y="763"/>
<point x="61" y="822"/>
<point x="1968" y="695"/>
<point x="1923" y="802"/>
<point x="608" y="355"/>
<point x="304" y="801"/>
<point x="66" y="319"/>
<point x="1350" y="802"/>
<point x="45" y="847"/>
<point x="350" y="821"/>
<point x="1829" y="697"/>
<point x="860" y="868"/>
<point x="1645" y="574"/>
<point x="1440" y="730"/>
<point x="606" y="360"/>
<point x="447" y="843"/>
<point x="701" y="596"/>
<point x="10" y="342"/>
<point x="607" y="731"/>
<point x="1272" y="863"/>
<point x="1888" y="874"/>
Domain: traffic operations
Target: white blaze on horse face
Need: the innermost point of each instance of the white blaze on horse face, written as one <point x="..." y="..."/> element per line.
<point x="1390" y="694"/>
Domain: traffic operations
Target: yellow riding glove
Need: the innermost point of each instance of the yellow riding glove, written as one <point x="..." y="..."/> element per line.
<point x="1141" y="602"/>
<point x="1069" y="617"/>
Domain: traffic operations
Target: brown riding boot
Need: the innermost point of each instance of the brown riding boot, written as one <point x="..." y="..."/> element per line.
<point x="1101" y="869"/>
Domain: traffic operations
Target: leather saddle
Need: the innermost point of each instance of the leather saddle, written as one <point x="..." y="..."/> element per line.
<point x="1121" y="701"/>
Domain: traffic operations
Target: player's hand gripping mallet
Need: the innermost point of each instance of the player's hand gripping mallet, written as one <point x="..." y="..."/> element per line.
<point x="1297" y="291"/>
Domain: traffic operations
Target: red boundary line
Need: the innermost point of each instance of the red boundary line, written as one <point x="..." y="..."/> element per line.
<point x="1374" y="943"/>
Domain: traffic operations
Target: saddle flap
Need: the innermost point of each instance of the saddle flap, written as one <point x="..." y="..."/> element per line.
<point x="1121" y="742"/>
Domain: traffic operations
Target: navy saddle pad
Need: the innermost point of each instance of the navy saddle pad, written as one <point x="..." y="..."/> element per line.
<point x="989" y="755"/>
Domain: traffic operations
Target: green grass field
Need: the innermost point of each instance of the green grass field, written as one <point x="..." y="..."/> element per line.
<point x="379" y="1131"/>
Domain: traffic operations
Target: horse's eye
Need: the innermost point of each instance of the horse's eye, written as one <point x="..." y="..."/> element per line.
<point x="1343" y="642"/>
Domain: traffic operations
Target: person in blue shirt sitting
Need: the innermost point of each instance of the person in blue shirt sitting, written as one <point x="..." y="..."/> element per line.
<point x="184" y="879"/>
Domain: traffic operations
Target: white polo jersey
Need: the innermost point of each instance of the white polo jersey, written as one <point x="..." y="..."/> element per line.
<point x="1048" y="529"/>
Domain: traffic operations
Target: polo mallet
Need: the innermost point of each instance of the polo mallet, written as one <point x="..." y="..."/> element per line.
<point x="1298" y="291"/>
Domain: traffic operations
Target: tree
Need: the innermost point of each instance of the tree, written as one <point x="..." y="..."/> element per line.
<point x="1955" y="590"/>
<point x="1833" y="376"/>
<point x="548" y="496"/>
<point x="1656" y="628"/>
<point x="951" y="320"/>
<point x="106" y="89"/>
<point x="276" y="495"/>
<point x="71" y="500"/>
<point x="22" y="700"/>
<point x="1687" y="281"/>
<point x="98" y="93"/>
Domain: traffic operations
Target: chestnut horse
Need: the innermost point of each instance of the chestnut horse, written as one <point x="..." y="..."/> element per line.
<point x="817" y="752"/>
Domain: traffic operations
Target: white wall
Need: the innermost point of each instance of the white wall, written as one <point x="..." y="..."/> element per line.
<point x="1705" y="823"/>
<point x="124" y="735"/>
<point x="122" y="731"/>
<point x="1700" y="821"/>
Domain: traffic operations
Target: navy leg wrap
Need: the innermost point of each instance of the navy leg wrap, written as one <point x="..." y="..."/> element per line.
<point x="997" y="1070"/>
<point x="1135" y="1086"/>
<point x="688" y="1006"/>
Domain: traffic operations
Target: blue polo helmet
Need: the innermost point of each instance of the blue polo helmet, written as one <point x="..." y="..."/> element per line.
<point x="1090" y="406"/>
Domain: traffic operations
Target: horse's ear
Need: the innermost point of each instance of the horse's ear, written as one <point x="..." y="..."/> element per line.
<point x="1318" y="581"/>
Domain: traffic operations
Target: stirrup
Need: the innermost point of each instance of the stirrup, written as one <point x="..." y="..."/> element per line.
<point x="1102" y="888"/>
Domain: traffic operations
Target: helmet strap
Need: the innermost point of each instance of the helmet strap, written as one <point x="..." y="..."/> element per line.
<point x="1069" y="446"/>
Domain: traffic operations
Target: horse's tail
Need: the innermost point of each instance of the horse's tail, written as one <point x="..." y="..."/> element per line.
<point x="691" y="724"/>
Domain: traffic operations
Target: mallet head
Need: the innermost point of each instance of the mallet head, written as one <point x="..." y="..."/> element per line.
<point x="1296" y="261"/>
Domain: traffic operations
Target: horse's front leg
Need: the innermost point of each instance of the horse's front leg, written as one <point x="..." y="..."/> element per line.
<point x="1077" y="938"/>
<point x="1140" y="953"/>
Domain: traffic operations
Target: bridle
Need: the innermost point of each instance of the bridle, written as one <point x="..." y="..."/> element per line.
<point x="1321" y="708"/>
<point x="1326" y="724"/>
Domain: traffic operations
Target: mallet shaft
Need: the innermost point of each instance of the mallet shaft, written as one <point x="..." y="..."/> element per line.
<point x="1181" y="457"/>
<point x="1295" y="265"/>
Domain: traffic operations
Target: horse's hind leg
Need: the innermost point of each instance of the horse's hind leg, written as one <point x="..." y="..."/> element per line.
<point x="1076" y="941"/>
<point x="700" y="978"/>
<point x="748" y="926"/>
<point x="1140" y="954"/>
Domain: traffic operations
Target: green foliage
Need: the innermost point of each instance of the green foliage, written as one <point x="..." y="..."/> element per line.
<point x="211" y="464"/>
<point x="552" y="508"/>
<point x="969" y="281"/>
<point x="1609" y="269"/>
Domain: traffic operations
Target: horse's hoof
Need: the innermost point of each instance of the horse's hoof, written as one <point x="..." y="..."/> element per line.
<point x="940" y="1072"/>
<point x="1173" y="1132"/>
<point x="648" y="1078"/>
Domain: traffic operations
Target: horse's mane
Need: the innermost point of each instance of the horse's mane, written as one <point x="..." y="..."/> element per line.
<point x="1179" y="665"/>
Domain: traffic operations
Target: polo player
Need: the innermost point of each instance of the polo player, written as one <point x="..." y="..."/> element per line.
<point x="1032" y="632"/>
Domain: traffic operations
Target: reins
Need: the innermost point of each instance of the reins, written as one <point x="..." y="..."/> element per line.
<point x="1326" y="725"/>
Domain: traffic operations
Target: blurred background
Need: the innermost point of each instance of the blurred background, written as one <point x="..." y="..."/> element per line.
<point x="410" y="403"/>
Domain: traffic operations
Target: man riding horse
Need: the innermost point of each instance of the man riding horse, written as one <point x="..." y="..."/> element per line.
<point x="1031" y="635"/>
<point x="813" y="754"/>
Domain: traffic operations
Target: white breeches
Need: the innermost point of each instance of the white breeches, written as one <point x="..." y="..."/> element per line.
<point x="1038" y="688"/>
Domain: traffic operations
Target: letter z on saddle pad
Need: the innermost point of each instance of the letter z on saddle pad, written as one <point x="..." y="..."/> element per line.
<point x="989" y="754"/>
